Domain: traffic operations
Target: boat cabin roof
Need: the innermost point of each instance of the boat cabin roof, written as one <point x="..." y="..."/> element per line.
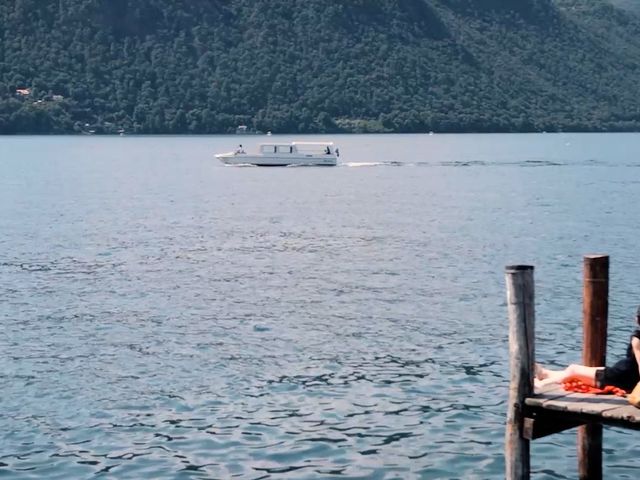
<point x="302" y="144"/>
<point x="306" y="148"/>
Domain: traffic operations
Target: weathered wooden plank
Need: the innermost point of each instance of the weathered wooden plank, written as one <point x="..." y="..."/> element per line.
<point x="545" y="393"/>
<point x="546" y="423"/>
<point x="520" y="304"/>
<point x="586" y="408"/>
<point x="626" y="413"/>
<point x="595" y="308"/>
<point x="579" y="403"/>
<point x="621" y="417"/>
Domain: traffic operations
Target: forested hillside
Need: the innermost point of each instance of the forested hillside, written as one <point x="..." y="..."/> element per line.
<point x="207" y="66"/>
<point x="630" y="5"/>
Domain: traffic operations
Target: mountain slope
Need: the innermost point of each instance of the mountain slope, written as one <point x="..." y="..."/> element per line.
<point x="205" y="66"/>
<point x="629" y="5"/>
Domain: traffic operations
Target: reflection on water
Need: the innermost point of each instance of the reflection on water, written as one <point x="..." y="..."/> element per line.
<point x="166" y="317"/>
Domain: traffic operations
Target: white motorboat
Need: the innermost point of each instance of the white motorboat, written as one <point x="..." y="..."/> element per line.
<point x="284" y="154"/>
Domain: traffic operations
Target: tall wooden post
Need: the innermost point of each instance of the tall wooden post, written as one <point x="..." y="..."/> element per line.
<point x="595" y="309"/>
<point x="520" y="304"/>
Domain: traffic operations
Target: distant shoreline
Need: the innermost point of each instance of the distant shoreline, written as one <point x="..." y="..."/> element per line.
<point x="233" y="135"/>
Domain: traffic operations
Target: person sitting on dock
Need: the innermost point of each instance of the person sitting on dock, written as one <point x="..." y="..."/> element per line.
<point x="624" y="374"/>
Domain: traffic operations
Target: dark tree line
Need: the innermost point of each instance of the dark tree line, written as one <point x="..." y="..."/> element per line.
<point x="207" y="66"/>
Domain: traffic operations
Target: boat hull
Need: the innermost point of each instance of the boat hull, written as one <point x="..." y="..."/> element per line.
<point x="278" y="161"/>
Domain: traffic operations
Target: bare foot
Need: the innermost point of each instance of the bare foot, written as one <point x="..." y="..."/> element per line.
<point x="541" y="373"/>
<point x="543" y="383"/>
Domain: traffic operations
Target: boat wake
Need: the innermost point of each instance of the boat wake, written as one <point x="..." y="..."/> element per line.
<point x="463" y="163"/>
<point x="372" y="164"/>
<point x="452" y="163"/>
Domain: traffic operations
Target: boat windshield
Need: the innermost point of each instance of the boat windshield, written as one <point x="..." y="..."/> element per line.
<point x="317" y="148"/>
<point x="302" y="147"/>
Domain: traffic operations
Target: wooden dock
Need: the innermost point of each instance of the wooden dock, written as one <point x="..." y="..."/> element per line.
<point x="553" y="409"/>
<point x="536" y="414"/>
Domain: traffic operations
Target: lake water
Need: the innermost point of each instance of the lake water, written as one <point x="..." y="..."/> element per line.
<point x="164" y="316"/>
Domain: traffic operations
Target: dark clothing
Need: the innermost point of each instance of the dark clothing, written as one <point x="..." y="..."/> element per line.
<point x="624" y="374"/>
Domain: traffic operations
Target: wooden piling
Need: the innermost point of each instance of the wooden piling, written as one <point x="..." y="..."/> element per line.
<point x="520" y="304"/>
<point x="594" y="316"/>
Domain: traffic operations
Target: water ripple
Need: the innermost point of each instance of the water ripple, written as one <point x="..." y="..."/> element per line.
<point x="183" y="320"/>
